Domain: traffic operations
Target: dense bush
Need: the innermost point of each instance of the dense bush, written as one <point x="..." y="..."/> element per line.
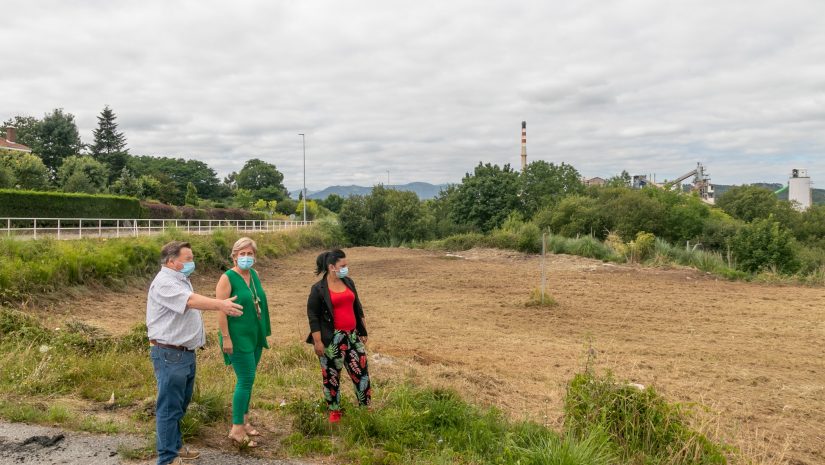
<point x="28" y="204"/>
<point x="765" y="245"/>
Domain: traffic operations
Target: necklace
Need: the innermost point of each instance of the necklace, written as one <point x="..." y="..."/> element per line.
<point x="255" y="299"/>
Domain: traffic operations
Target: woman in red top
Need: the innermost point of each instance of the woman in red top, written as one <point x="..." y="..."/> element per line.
<point x="337" y="331"/>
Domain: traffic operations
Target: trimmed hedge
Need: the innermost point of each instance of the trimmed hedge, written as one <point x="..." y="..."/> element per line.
<point x="156" y="211"/>
<point x="29" y="204"/>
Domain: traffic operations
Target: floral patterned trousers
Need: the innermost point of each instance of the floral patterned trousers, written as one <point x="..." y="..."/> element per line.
<point x="345" y="350"/>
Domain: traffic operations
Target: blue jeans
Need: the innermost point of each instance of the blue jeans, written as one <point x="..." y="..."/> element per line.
<point x="175" y="375"/>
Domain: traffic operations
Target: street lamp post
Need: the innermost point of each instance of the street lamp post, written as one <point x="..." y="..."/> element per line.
<point x="304" y="142"/>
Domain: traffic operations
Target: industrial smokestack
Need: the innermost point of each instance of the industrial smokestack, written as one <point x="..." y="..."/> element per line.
<point x="523" y="145"/>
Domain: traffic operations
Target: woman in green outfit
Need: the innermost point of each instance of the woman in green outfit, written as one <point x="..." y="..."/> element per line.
<point x="243" y="338"/>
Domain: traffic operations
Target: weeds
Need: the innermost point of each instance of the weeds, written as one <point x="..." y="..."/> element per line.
<point x="539" y="300"/>
<point x="32" y="267"/>
<point x="607" y="423"/>
<point x="639" y="422"/>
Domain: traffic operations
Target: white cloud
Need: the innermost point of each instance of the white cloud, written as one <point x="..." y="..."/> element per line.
<point x="428" y="89"/>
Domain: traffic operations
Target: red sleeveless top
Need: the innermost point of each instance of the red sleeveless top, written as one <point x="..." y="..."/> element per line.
<point x="343" y="314"/>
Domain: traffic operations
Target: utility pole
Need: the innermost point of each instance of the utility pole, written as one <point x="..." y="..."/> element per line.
<point x="304" y="142"/>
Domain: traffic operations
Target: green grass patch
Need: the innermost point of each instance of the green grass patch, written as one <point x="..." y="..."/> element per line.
<point x="32" y="267"/>
<point x="640" y="424"/>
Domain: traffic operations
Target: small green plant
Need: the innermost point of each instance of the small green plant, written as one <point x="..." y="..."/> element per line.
<point x="206" y="408"/>
<point x="144" y="452"/>
<point x="309" y="417"/>
<point x="539" y="299"/>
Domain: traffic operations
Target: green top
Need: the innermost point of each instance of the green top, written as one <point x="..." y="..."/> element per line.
<point x="247" y="331"/>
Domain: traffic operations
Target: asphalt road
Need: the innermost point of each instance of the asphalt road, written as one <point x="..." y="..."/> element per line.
<point x="31" y="444"/>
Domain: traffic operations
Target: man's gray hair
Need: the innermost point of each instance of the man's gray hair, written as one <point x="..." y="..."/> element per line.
<point x="172" y="250"/>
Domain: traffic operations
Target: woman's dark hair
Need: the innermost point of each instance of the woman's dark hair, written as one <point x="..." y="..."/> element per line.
<point x="326" y="259"/>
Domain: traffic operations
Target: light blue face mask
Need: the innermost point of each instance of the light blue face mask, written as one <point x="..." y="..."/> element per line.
<point x="188" y="268"/>
<point x="246" y="263"/>
<point x="342" y="273"/>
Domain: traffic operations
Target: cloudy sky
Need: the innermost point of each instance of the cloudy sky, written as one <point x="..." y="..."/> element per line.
<point x="427" y="89"/>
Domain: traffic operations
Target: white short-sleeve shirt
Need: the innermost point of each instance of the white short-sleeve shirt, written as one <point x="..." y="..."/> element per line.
<point x="168" y="319"/>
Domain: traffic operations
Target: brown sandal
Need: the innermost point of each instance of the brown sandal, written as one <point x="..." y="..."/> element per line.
<point x="245" y="443"/>
<point x="253" y="433"/>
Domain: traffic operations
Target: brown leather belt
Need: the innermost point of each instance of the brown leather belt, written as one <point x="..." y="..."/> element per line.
<point x="167" y="346"/>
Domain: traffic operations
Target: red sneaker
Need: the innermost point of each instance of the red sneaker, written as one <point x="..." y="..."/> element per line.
<point x="334" y="416"/>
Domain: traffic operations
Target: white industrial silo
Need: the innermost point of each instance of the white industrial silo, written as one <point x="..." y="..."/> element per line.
<point x="799" y="189"/>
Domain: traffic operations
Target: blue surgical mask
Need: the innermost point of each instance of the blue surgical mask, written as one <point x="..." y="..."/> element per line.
<point x="246" y="263"/>
<point x="188" y="268"/>
<point x="342" y="273"/>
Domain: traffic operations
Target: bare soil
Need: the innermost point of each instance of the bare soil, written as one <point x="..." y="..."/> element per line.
<point x="751" y="353"/>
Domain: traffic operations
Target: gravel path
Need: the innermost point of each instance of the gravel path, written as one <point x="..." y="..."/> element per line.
<point x="39" y="445"/>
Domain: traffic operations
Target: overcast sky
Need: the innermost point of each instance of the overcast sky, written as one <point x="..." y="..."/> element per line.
<point x="427" y="89"/>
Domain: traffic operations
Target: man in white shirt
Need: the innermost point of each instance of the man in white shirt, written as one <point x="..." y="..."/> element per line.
<point x="175" y="327"/>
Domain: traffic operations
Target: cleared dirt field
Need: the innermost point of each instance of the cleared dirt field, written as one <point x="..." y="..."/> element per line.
<point x="754" y="354"/>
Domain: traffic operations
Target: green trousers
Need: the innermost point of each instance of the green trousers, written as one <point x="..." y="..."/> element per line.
<point x="245" y="365"/>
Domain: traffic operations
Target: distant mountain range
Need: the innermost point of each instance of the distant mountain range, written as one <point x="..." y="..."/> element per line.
<point x="424" y="190"/>
<point x="817" y="194"/>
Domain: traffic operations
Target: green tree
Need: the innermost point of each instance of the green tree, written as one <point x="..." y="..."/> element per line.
<point x="243" y="198"/>
<point x="545" y="184"/>
<point x="440" y="209"/>
<point x="82" y="174"/>
<point x="312" y="210"/>
<point x="57" y="139"/>
<point x="718" y="230"/>
<point x="175" y="174"/>
<point x="149" y="187"/>
<point x="127" y="185"/>
<point x="191" y="195"/>
<point x="79" y="181"/>
<point x="572" y="216"/>
<point x="765" y="245"/>
<point x="27" y="127"/>
<point x="406" y="218"/>
<point x="333" y="203"/>
<point x="286" y="207"/>
<point x="812" y="226"/>
<point x="486" y="197"/>
<point x="355" y="220"/>
<point x="629" y="211"/>
<point x="268" y="207"/>
<point x="109" y="144"/>
<point x="27" y="169"/>
<point x="7" y="179"/>
<point x="263" y="179"/>
<point x="620" y="180"/>
<point x="748" y="203"/>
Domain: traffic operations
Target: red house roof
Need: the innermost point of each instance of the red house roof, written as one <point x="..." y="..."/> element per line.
<point x="4" y="144"/>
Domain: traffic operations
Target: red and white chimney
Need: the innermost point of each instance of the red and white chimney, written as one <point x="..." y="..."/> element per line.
<point x="523" y="145"/>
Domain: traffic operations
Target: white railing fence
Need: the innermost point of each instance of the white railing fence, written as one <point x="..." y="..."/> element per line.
<point x="78" y="228"/>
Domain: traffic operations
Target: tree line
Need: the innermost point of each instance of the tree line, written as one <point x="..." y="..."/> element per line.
<point x="61" y="161"/>
<point x="749" y="225"/>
